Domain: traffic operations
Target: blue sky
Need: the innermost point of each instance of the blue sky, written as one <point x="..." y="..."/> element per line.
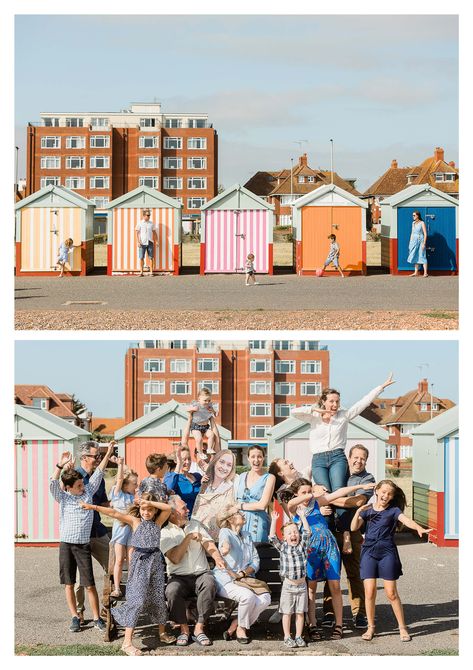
<point x="94" y="370"/>
<point x="382" y="87"/>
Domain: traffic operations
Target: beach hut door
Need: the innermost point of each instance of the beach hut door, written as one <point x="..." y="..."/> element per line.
<point x="40" y="237"/>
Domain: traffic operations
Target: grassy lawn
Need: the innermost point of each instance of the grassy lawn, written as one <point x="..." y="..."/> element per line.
<point x="68" y="650"/>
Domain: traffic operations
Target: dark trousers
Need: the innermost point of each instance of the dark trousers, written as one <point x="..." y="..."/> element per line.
<point x="351" y="563"/>
<point x="181" y="588"/>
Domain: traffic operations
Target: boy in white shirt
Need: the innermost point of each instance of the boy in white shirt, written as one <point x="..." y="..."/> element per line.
<point x="146" y="232"/>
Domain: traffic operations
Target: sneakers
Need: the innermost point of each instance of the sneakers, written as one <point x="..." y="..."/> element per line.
<point x="100" y="624"/>
<point x="300" y="642"/>
<point x="75" y="625"/>
<point x="328" y="621"/>
<point x="360" y="621"/>
<point x="289" y="642"/>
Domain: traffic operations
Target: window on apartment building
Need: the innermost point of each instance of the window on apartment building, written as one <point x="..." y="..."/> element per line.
<point x="258" y="432"/>
<point x="197" y="143"/>
<point x="392" y="430"/>
<point x="49" y="181"/>
<point x="172" y="182"/>
<point x="154" y="387"/>
<point x="99" y="122"/>
<point x="100" y="141"/>
<point x="100" y="162"/>
<point x="311" y="367"/>
<point x="406" y="451"/>
<point x="173" y="142"/>
<point x="391" y="451"/>
<point x="257" y="344"/>
<point x="196" y="163"/>
<point x="309" y="345"/>
<point x="151" y="182"/>
<point x="197" y="182"/>
<point x="154" y="365"/>
<point x="149" y="142"/>
<point x="260" y="409"/>
<point x="197" y="123"/>
<point x="150" y="406"/>
<point x="181" y="388"/>
<point x="283" y="410"/>
<point x="207" y="365"/>
<point x="285" y="388"/>
<point x="100" y="202"/>
<point x="148" y="162"/>
<point x="50" y="142"/>
<point x="178" y="344"/>
<point x="311" y="388"/>
<point x="260" y="388"/>
<point x="260" y="365"/>
<point x="285" y="367"/>
<point x="423" y="407"/>
<point x="75" y="142"/>
<point x="75" y="162"/>
<point x="147" y="123"/>
<point x="173" y="123"/>
<point x="75" y="182"/>
<point x="50" y="121"/>
<point x="51" y="163"/>
<point x="196" y="203"/>
<point x="74" y="122"/>
<point x="205" y="345"/>
<point x="282" y="345"/>
<point x="181" y="365"/>
<point x="99" y="182"/>
<point x="172" y="163"/>
<point x="212" y="384"/>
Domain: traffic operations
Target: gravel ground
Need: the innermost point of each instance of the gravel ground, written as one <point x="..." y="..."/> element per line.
<point x="234" y="320"/>
<point x="429" y="590"/>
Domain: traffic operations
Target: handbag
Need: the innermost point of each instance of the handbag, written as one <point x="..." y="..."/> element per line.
<point x="256" y="585"/>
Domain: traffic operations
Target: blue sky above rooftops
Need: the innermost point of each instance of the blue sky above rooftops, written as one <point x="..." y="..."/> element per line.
<point x="382" y="87"/>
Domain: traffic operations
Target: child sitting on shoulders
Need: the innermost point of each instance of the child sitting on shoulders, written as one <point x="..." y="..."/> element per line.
<point x="122" y="497"/>
<point x="157" y="466"/>
<point x="293" y="568"/>
<point x="202" y="412"/>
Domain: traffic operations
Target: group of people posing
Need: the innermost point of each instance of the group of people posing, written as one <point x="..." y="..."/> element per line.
<point x="189" y="511"/>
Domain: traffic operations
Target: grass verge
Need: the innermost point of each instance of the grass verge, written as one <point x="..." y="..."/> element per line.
<point x="67" y="650"/>
<point x="440" y="652"/>
<point x="441" y="315"/>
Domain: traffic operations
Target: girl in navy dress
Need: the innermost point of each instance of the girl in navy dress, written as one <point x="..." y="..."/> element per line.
<point x="323" y="561"/>
<point x="145" y="585"/>
<point x="379" y="554"/>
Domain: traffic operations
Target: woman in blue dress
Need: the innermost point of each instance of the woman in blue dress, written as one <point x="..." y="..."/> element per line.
<point x="254" y="491"/>
<point x="323" y="561"/>
<point x="379" y="554"/>
<point x="184" y="483"/>
<point x="417" y="242"/>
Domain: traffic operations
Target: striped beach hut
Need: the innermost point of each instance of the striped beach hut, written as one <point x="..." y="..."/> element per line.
<point x="330" y="210"/>
<point x="234" y="224"/>
<point x="439" y="211"/>
<point x="158" y="431"/>
<point x="435" y="473"/>
<point x="40" y="439"/>
<point x="125" y="212"/>
<point x="43" y="221"/>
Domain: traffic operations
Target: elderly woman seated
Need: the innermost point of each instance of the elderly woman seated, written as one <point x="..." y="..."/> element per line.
<point x="241" y="557"/>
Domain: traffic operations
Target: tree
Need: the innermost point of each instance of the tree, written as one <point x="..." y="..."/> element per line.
<point x="220" y="188"/>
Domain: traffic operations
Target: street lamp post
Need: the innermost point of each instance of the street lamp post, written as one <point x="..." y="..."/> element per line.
<point x="17" y="149"/>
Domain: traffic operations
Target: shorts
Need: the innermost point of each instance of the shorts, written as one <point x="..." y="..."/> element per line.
<point x="73" y="557"/>
<point x="146" y="249"/>
<point x="294" y="598"/>
<point x="331" y="259"/>
<point x="380" y="561"/>
<point x="203" y="427"/>
<point x="250" y="273"/>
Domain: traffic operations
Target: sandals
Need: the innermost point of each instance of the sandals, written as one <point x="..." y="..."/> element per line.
<point x="337" y="632"/>
<point x="116" y="593"/>
<point x="131" y="650"/>
<point x="314" y="634"/>
<point x="182" y="640"/>
<point x="165" y="638"/>
<point x="404" y="635"/>
<point x="202" y="640"/>
<point x="369" y="633"/>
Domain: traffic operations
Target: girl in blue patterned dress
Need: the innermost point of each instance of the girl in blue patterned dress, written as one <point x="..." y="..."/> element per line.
<point x="254" y="491"/>
<point x="323" y="560"/>
<point x="417" y="242"/>
<point x="121" y="499"/>
<point x="145" y="585"/>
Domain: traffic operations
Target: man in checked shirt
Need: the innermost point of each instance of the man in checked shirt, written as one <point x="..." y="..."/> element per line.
<point x="293" y="556"/>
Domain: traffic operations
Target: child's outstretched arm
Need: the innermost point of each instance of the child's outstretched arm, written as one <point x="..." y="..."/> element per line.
<point x="294" y="503"/>
<point x="301" y="510"/>
<point x="109" y="511"/>
<point x="357" y="520"/>
<point x="413" y="525"/>
<point x="274" y="520"/>
<point x="328" y="498"/>
<point x="104" y="462"/>
<point x="164" y="510"/>
<point x="120" y="475"/>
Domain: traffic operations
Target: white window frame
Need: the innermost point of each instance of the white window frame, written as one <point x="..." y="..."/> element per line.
<point x="144" y="139"/>
<point x="435" y="407"/>
<point x="106" y="141"/>
<point x="282" y="345"/>
<point x="74" y="122"/>
<point x="181" y="365"/>
<point x="405" y="451"/>
<point x="96" y="180"/>
<point x="168" y="141"/>
<point x="147" y="122"/>
<point x="214" y="362"/>
<point x="255" y="430"/>
<point x="50" y="181"/>
<point x="75" y="142"/>
<point x="191" y="183"/>
<point x="301" y="179"/>
<point x="256" y="362"/>
<point x="174" y="386"/>
<point x="212" y="384"/>
<point x="291" y="388"/>
<point x="281" y="363"/>
<point x="99" y="122"/>
<point x="260" y="387"/>
<point x="201" y="159"/>
<point x="50" y="121"/>
<point x="149" y="407"/>
<point x="105" y="159"/>
<point x="80" y="183"/>
<point x="314" y="363"/>
<point x="304" y="386"/>
<point x="100" y="201"/>
<point x="168" y="180"/>
<point x="70" y="159"/>
<point x="171" y="159"/>
<point x="423" y="407"/>
<point x="450" y="176"/>
<point x="50" y="162"/>
<point x="439" y="176"/>
<point x="281" y="413"/>
<point x="152" y="178"/>
<point x="179" y="344"/>
<point x="197" y="143"/>
<point x="309" y="345"/>
<point x="154" y="387"/>
<point x="160" y="364"/>
<point x="265" y="406"/>
<point x="391" y="451"/>
<point x="173" y="123"/>
<point x="56" y="140"/>
<point x="392" y="430"/>
<point x="191" y="204"/>
<point x="194" y="123"/>
<point x="148" y="162"/>
<point x="258" y="345"/>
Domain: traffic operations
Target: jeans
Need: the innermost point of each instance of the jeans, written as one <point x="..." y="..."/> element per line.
<point x="330" y="469"/>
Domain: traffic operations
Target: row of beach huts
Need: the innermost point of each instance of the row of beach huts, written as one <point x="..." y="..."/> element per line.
<point x="40" y="438"/>
<point x="234" y="224"/>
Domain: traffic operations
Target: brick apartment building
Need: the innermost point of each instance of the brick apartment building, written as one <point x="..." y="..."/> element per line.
<point x="103" y="155"/>
<point x="401" y="415"/>
<point x="254" y="384"/>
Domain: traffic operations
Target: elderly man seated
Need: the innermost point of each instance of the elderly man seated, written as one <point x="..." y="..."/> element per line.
<point x="184" y="544"/>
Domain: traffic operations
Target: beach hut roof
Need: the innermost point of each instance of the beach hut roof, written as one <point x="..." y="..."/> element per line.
<point x="330" y="188"/>
<point x="237" y="188"/>
<point x="47" y="421"/>
<point x="442" y="425"/>
<point x="144" y="196"/>
<point x="412" y="191"/>
<point x="167" y="408"/>
<point x="292" y="424"/>
<point x="66" y="194"/>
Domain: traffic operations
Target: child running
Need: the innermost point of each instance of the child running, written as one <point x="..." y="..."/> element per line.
<point x="293" y="553"/>
<point x="333" y="255"/>
<point x="250" y="274"/>
<point x="157" y="466"/>
<point x="122" y="497"/>
<point x="202" y="412"/>
<point x="145" y="586"/>
<point x="379" y="554"/>
<point x="63" y="254"/>
<point x="75" y="525"/>
<point x="323" y="560"/>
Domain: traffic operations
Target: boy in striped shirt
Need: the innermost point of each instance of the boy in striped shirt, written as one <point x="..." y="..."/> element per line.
<point x="293" y="554"/>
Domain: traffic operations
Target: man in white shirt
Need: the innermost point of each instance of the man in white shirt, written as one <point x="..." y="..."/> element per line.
<point x="146" y="234"/>
<point x="184" y="544"/>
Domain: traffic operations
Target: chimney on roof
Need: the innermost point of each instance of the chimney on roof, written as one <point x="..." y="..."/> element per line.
<point x="394" y="164"/>
<point x="423" y="386"/>
<point x="439" y="154"/>
<point x="452" y="164"/>
<point x="303" y="160"/>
